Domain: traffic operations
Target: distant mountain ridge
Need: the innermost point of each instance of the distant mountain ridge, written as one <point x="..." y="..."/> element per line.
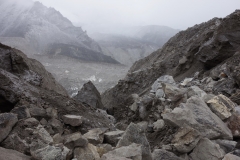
<point x="42" y="27"/>
<point x="134" y="43"/>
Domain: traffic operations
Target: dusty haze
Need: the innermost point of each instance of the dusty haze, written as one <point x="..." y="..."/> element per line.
<point x="112" y="15"/>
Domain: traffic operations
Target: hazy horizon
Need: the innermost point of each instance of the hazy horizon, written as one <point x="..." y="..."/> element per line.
<point x="112" y="15"/>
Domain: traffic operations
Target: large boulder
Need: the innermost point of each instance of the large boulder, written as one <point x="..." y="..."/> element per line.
<point x="233" y="124"/>
<point x="72" y="120"/>
<point x="96" y="135"/>
<point x="134" y="134"/>
<point x="9" y="154"/>
<point x="87" y="153"/>
<point x="160" y="154"/>
<point x="230" y="156"/>
<point x="221" y="106"/>
<point x="196" y="114"/>
<point x="49" y="152"/>
<point x="133" y="151"/>
<point x="163" y="79"/>
<point x="75" y="140"/>
<point x="172" y="92"/>
<point x="89" y="95"/>
<point x="113" y="137"/>
<point x="206" y="149"/>
<point x="7" y="121"/>
<point x="186" y="139"/>
<point x="226" y="145"/>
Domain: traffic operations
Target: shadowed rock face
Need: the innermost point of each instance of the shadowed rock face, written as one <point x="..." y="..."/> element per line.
<point x="89" y="95"/>
<point x="197" y="49"/>
<point x="25" y="83"/>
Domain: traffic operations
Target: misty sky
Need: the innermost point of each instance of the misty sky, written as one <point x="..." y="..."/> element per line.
<point x="178" y="14"/>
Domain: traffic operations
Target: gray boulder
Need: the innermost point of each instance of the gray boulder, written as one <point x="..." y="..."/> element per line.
<point x="89" y="95"/>
<point x="230" y="156"/>
<point x="206" y="149"/>
<point x="221" y="106"/>
<point x="113" y="137"/>
<point x="37" y="111"/>
<point x="186" y="139"/>
<point x="7" y="121"/>
<point x="158" y="125"/>
<point x="72" y="120"/>
<point x="134" y="134"/>
<point x="163" y="79"/>
<point x="160" y="154"/>
<point x="49" y="152"/>
<point x="96" y="135"/>
<point x="75" y="140"/>
<point x="226" y="145"/>
<point x="172" y="92"/>
<point x="196" y="114"/>
<point x="22" y="112"/>
<point x="195" y="91"/>
<point x="87" y="153"/>
<point x="133" y="151"/>
<point x="9" y="154"/>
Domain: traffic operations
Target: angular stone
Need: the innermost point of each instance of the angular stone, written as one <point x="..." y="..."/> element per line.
<point x="196" y="91"/>
<point x="50" y="153"/>
<point x="103" y="148"/>
<point x="160" y="154"/>
<point x="113" y="137"/>
<point x="37" y="111"/>
<point x="163" y="79"/>
<point x="172" y="92"/>
<point x="185" y="139"/>
<point x="221" y="106"/>
<point x="13" y="141"/>
<point x="159" y="93"/>
<point x="96" y="135"/>
<point x="75" y="140"/>
<point x="226" y="145"/>
<point x="158" y="125"/>
<point x="7" y="121"/>
<point x="42" y="134"/>
<point x="186" y="81"/>
<point x="22" y="112"/>
<point x="72" y="120"/>
<point x="51" y="112"/>
<point x="196" y="114"/>
<point x="206" y="149"/>
<point x="230" y="156"/>
<point x="21" y="136"/>
<point x="143" y="125"/>
<point x="134" y="107"/>
<point x="233" y="124"/>
<point x="9" y="154"/>
<point x="132" y="151"/>
<point x="113" y="157"/>
<point x="134" y="134"/>
<point x="56" y="125"/>
<point x="57" y="138"/>
<point x="87" y="153"/>
<point x="89" y="95"/>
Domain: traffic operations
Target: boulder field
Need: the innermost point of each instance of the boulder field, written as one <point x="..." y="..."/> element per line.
<point x="179" y="103"/>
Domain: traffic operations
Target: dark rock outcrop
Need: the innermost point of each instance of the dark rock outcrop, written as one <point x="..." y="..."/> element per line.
<point x="89" y="95"/>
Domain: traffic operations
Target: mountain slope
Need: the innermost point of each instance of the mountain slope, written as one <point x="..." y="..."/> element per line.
<point x="124" y="49"/>
<point x="196" y="50"/>
<point x="41" y="27"/>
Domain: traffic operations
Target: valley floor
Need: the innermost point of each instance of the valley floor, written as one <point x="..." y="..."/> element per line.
<point x="72" y="73"/>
